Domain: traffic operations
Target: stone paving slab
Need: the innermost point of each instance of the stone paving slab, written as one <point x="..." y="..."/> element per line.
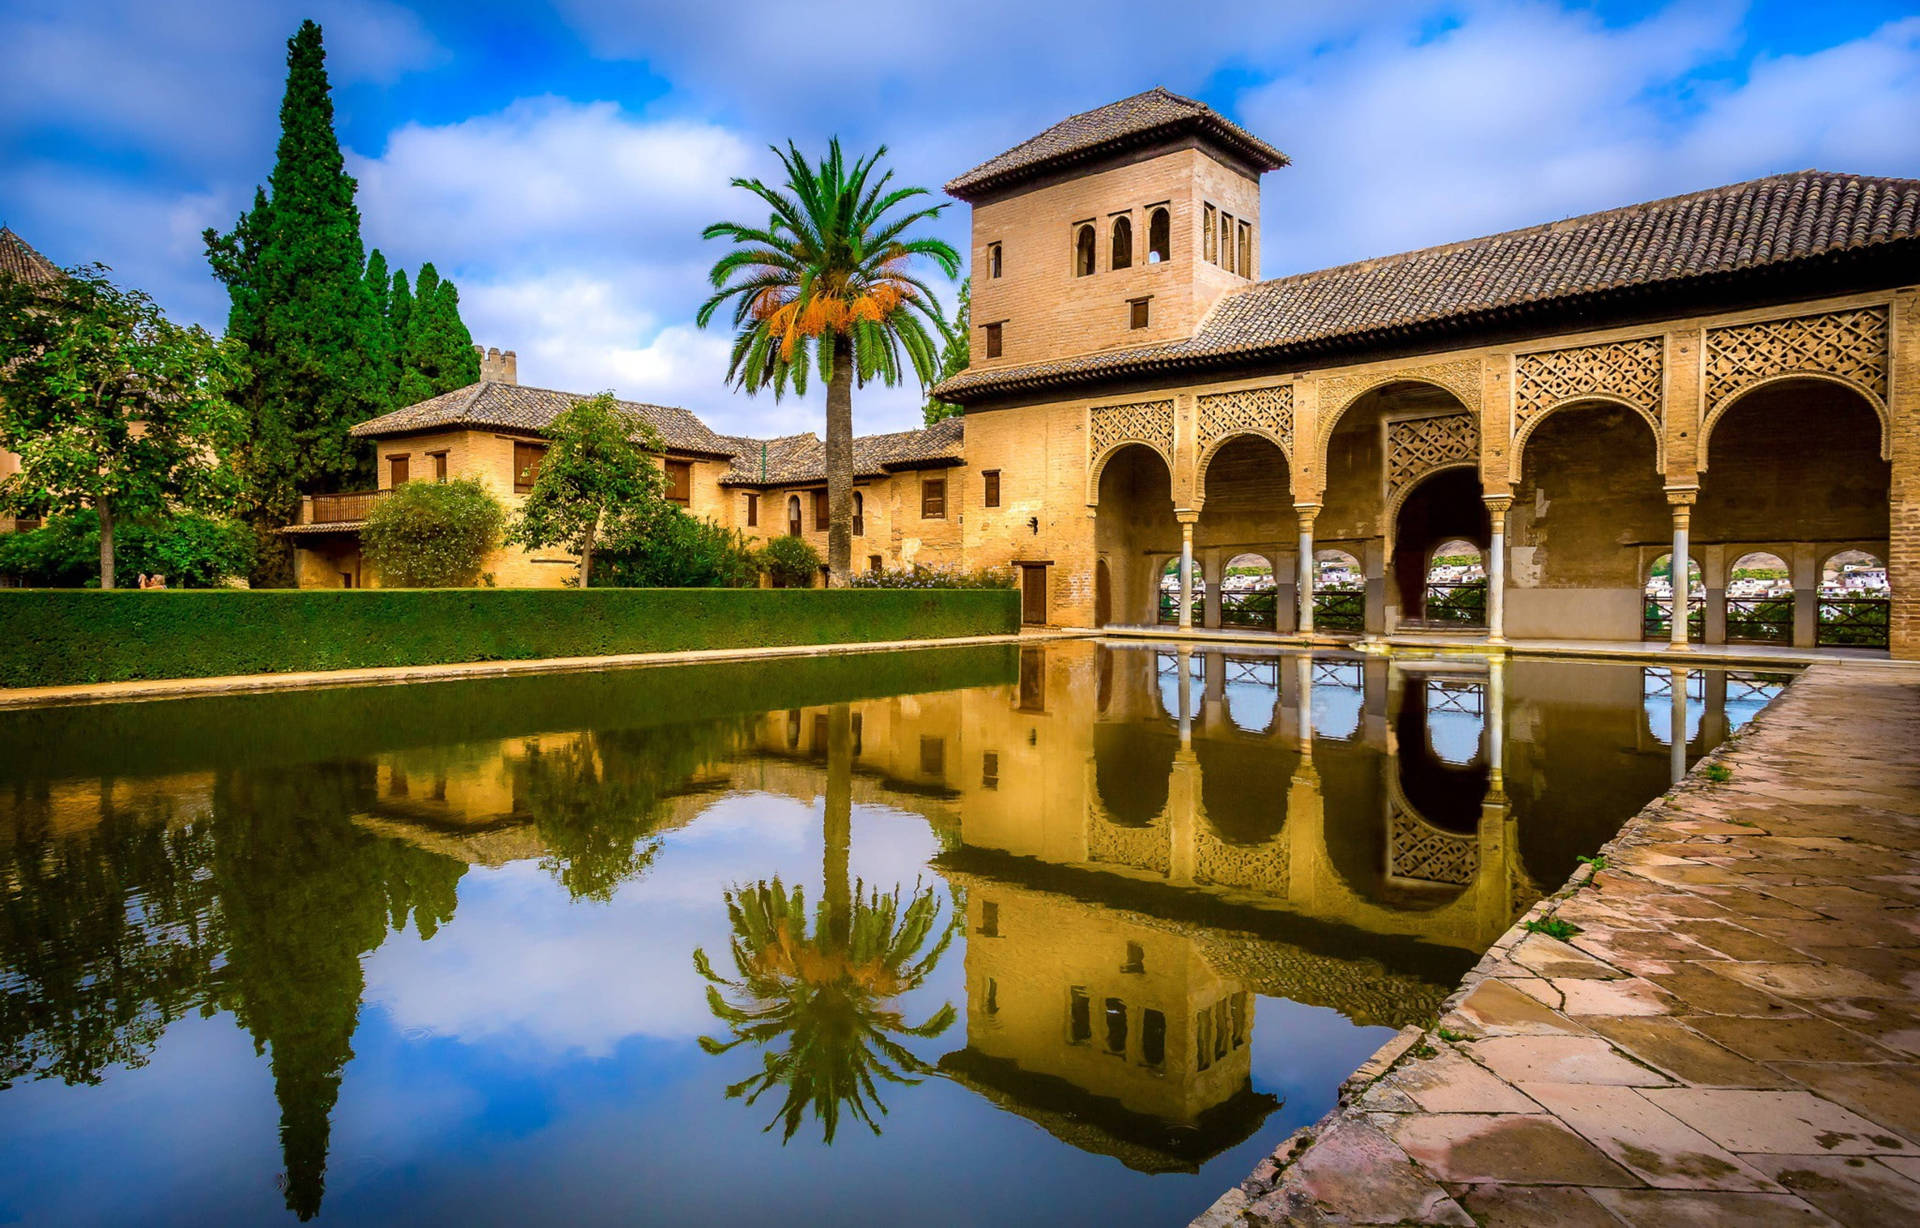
<point x="1725" y="1030"/>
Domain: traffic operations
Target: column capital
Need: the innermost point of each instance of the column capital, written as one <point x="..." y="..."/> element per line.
<point x="1682" y="496"/>
<point x="1187" y="516"/>
<point x="1497" y="505"/>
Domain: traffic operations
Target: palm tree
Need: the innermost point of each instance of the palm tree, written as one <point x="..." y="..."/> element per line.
<point x="827" y="987"/>
<point x="824" y="284"/>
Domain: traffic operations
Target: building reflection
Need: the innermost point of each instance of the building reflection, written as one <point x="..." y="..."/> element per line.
<point x="1141" y="844"/>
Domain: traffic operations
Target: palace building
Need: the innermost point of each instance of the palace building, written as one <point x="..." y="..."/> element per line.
<point x="1511" y="436"/>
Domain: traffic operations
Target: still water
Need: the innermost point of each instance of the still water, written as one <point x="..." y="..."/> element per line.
<point x="998" y="935"/>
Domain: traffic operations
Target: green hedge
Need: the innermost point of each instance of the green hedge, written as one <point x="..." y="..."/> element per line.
<point x="62" y="637"/>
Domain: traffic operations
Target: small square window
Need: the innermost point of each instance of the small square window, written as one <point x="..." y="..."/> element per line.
<point x="876" y="563"/>
<point x="989" y="919"/>
<point x="990" y="487"/>
<point x="993" y="341"/>
<point x="990" y="770"/>
<point x="933" y="757"/>
<point x="1137" y="313"/>
<point x="439" y="466"/>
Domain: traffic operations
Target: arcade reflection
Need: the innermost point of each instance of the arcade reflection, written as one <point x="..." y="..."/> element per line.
<point x="1136" y="855"/>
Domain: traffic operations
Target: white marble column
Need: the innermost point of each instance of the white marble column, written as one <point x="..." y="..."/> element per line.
<point x="1304" y="583"/>
<point x="1680" y="566"/>
<point x="1186" y="568"/>
<point x="1497" y="569"/>
<point x="1677" y="725"/>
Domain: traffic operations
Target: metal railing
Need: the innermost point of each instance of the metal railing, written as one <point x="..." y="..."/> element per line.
<point x="1656" y="622"/>
<point x="1462" y="603"/>
<point x="1254" y="608"/>
<point x="346" y="506"/>
<point x="1339" y="609"/>
<point x="1169" y="613"/>
<point x="1852" y="622"/>
<point x="1764" y="620"/>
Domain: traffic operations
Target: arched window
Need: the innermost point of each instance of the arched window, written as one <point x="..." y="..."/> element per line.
<point x="1760" y="599"/>
<point x="1122" y="243"/>
<point x="1159" y="236"/>
<point x="1246" y="250"/>
<point x="1657" y="616"/>
<point x="1083" y="252"/>
<point x="1854" y="601"/>
<point x="993" y="260"/>
<point x="793" y="515"/>
<point x="859" y="514"/>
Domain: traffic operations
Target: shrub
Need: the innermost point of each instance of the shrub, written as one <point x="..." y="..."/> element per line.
<point x="58" y="638"/>
<point x="790" y="561"/>
<point x="670" y="549"/>
<point x="935" y="577"/>
<point x="432" y="534"/>
<point x="191" y="551"/>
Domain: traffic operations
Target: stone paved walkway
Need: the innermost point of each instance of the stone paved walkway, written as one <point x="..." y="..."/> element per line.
<point x="1730" y="1036"/>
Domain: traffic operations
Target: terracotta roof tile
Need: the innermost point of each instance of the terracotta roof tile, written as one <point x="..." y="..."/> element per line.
<point x="797" y="459"/>
<point x="515" y="407"/>
<point x="1131" y="121"/>
<point x="1764" y="223"/>
<point x="19" y="260"/>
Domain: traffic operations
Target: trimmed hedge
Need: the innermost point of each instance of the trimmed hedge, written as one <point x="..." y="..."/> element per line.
<point x="64" y="637"/>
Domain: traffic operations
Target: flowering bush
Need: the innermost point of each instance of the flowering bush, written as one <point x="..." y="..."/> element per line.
<point x="935" y="577"/>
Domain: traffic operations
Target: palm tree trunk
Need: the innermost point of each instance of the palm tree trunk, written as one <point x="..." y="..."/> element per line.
<point x="840" y="463"/>
<point x="837" y="824"/>
<point x="106" y="542"/>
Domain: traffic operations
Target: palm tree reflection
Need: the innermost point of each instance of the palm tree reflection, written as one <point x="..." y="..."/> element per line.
<point x="818" y="994"/>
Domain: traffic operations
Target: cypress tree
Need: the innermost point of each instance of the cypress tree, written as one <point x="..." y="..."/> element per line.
<point x="399" y="324"/>
<point x="440" y="353"/>
<point x="305" y="311"/>
<point x="384" y="344"/>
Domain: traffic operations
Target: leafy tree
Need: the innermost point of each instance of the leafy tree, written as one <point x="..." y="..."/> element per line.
<point x="596" y="470"/>
<point x="111" y="407"/>
<point x="956" y="355"/>
<point x="432" y="534"/>
<point x="823" y="285"/>
<point x="668" y="548"/>
<point x="190" y="550"/>
<point x="300" y="302"/>
<point x="791" y="561"/>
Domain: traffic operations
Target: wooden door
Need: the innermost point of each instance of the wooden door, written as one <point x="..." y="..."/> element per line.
<point x="1033" y="595"/>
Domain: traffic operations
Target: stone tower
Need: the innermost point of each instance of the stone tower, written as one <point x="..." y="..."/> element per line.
<point x="1114" y="228"/>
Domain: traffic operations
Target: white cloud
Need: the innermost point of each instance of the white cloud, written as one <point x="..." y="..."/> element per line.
<point x="573" y="231"/>
<point x="201" y="87"/>
<point x="1523" y="114"/>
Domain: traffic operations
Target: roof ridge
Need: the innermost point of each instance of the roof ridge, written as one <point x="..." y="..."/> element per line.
<point x="1568" y="222"/>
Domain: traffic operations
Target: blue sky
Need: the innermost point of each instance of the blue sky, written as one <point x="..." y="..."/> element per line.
<point x="559" y="161"/>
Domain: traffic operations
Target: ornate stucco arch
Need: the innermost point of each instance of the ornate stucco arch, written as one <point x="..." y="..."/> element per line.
<point x="1221" y="417"/>
<point x="1113" y="427"/>
<point x="1848" y="348"/>
<point x="1459" y="378"/>
<point x="1718" y="412"/>
<point x="1397" y="497"/>
<point x="1524" y="431"/>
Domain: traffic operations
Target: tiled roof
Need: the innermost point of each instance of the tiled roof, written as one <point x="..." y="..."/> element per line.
<point x="803" y="458"/>
<point x="514" y="407"/>
<point x="1746" y="227"/>
<point x="19" y="260"/>
<point x="1154" y="115"/>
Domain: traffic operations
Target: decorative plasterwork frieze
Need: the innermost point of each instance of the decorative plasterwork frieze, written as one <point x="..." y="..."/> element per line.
<point x="1625" y="371"/>
<point x="1264" y="411"/>
<point x="1847" y="345"/>
<point x="1147" y="422"/>
<point x="1419" y="446"/>
<point x="1420" y="851"/>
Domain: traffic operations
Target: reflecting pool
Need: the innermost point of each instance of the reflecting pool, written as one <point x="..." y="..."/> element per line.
<point x="992" y="935"/>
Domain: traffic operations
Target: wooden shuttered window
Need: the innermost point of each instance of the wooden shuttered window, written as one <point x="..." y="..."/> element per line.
<point x="679" y="482"/>
<point x="990" y="488"/>
<point x="933" y="497"/>
<point x="526" y="465"/>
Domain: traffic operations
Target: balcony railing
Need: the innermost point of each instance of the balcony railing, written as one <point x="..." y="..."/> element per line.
<point x="1657" y="618"/>
<point x="1763" y="620"/>
<point x="1853" y="622"/>
<point x="346" y="506"/>
<point x="1339" y="609"/>
<point x="1456" y="603"/>
<point x="1256" y="608"/>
